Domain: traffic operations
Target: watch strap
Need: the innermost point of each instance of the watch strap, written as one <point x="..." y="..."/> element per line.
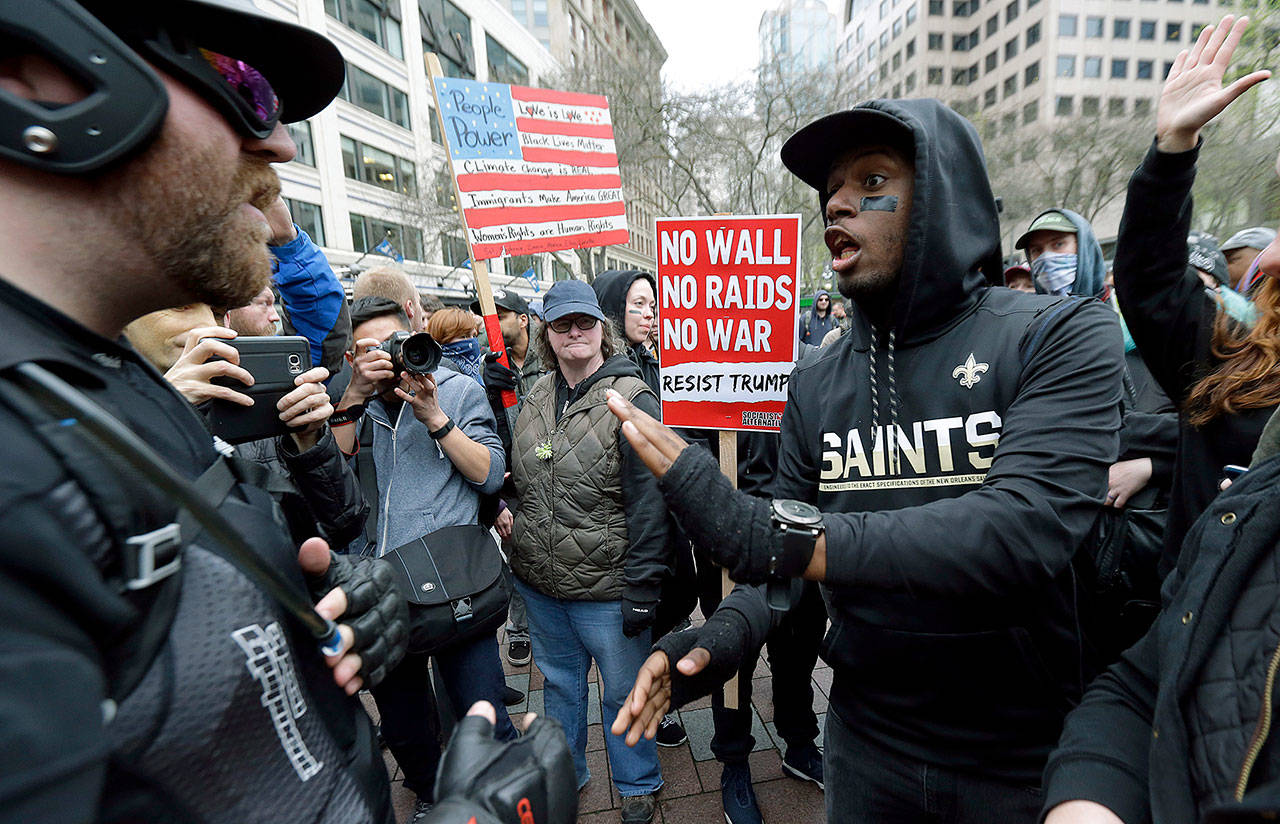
<point x="442" y="431"/>
<point x="348" y="415"/>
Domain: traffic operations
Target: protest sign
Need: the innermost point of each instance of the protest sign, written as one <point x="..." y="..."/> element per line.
<point x="536" y="170"/>
<point x="727" y="304"/>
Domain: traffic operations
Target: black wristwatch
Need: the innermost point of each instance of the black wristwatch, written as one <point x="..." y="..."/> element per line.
<point x="442" y="431"/>
<point x="800" y="525"/>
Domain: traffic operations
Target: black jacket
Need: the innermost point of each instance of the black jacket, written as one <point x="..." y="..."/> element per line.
<point x="1171" y="317"/>
<point x="1162" y="735"/>
<point x="611" y="288"/>
<point x="317" y="490"/>
<point x="949" y="579"/>
<point x="66" y="754"/>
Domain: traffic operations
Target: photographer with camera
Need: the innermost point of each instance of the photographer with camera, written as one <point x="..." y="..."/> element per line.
<point x="427" y="435"/>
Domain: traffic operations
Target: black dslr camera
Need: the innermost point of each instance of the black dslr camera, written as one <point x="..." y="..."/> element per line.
<point x="418" y="354"/>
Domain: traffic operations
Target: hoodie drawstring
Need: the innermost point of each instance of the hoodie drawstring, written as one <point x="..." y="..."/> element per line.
<point x="888" y="437"/>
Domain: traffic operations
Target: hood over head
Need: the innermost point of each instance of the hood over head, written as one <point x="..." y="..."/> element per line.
<point x="813" y="310"/>
<point x="1091" y="267"/>
<point x="611" y="288"/>
<point x="953" y="241"/>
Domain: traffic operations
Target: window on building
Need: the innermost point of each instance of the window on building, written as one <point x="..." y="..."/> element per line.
<point x="897" y="61"/>
<point x="1031" y="3"/>
<point x="1030" y="112"/>
<point x="1090" y="106"/>
<point x="1141" y="107"/>
<point x="1115" y="107"/>
<point x="973" y="78"/>
<point x="960" y="8"/>
<point x="973" y="39"/>
<point x="1092" y="67"/>
<point x="911" y="15"/>
<point x="372" y="95"/>
<point x="884" y="9"/>
<point x="1168" y="67"/>
<point x="884" y="70"/>
<point x="444" y="189"/>
<point x="937" y="8"/>
<point x="1067" y="25"/>
<point x="1011" y="49"/>
<point x="1196" y="28"/>
<point x="1120" y="28"/>
<point x="991" y="60"/>
<point x="1011" y="12"/>
<point x="935" y="41"/>
<point x="301" y="134"/>
<point x="960" y="42"/>
<point x="1033" y="34"/>
<point x="989" y="98"/>
<point x="453" y="251"/>
<point x="936" y="76"/>
<point x="993" y="25"/>
<point x="959" y="77"/>
<point x="1064" y="105"/>
<point x="1119" y="68"/>
<point x="897" y="90"/>
<point x="911" y="48"/>
<point x="539" y="13"/>
<point x="860" y="33"/>
<point x="1145" y="69"/>
<point x="1147" y="30"/>
<point x="1010" y="86"/>
<point x="376" y="167"/>
<point x="1009" y="122"/>
<point x="1066" y="65"/>
<point x="897" y="28"/>
<point x="368" y="232"/>
<point x="309" y="218"/>
<point x="1173" y="32"/>
<point x="1094" y="26"/>
<point x="375" y="21"/>
<point x="446" y="30"/>
<point x="1031" y="74"/>
<point x="503" y="65"/>
<point x="910" y="83"/>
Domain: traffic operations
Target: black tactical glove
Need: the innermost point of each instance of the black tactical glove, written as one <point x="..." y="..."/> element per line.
<point x="530" y="779"/>
<point x="637" y="615"/>
<point x="496" y="375"/>
<point x="726" y="635"/>
<point x="376" y="612"/>
<point x="734" y="528"/>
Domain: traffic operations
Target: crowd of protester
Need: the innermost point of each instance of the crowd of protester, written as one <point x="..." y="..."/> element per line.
<point x="1026" y="512"/>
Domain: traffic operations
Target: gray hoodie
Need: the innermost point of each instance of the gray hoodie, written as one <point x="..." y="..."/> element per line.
<point x="419" y="490"/>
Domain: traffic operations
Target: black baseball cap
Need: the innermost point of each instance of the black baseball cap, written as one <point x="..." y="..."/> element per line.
<point x="810" y="152"/>
<point x="570" y="297"/>
<point x="507" y="299"/>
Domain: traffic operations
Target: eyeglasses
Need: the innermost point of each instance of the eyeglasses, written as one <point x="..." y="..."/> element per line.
<point x="238" y="90"/>
<point x="583" y="322"/>
<point x="248" y="84"/>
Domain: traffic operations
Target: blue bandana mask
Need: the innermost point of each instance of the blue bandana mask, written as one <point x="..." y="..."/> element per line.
<point x="1055" y="272"/>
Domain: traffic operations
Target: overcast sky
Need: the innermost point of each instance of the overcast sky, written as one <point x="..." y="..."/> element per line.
<point x="709" y="42"/>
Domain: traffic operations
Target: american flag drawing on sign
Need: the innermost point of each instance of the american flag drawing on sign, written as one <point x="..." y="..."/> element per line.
<point x="537" y="170"/>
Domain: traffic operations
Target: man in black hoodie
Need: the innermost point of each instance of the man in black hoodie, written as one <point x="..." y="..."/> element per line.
<point x="955" y="443"/>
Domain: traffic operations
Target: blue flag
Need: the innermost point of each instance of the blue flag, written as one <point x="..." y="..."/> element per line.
<point x="385" y="248"/>
<point x="528" y="275"/>
<point x="466" y="264"/>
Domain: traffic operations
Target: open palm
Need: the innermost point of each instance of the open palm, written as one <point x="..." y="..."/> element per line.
<point x="1193" y="93"/>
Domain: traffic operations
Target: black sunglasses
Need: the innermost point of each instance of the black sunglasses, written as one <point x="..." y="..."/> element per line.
<point x="583" y="322"/>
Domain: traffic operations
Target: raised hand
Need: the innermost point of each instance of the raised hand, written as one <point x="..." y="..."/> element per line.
<point x="1193" y="93"/>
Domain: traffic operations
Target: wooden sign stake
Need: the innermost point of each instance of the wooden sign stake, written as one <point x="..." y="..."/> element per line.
<point x="729" y="466"/>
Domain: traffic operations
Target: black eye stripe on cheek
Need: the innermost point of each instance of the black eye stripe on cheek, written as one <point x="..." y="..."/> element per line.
<point x="880" y="203"/>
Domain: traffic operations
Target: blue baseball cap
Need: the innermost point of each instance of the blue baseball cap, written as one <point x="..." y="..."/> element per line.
<point x="570" y="297"/>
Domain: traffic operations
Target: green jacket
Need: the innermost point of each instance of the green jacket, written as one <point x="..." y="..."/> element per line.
<point x="589" y="526"/>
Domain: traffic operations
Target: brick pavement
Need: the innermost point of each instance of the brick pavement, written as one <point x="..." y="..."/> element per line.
<point x="691" y="794"/>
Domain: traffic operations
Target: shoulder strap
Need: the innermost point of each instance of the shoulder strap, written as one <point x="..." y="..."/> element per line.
<point x="1037" y="337"/>
<point x="367" y="474"/>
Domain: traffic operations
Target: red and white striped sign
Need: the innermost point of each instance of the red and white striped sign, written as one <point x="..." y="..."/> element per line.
<point x="537" y="170"/>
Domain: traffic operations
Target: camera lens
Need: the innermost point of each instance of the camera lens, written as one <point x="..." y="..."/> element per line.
<point x="421" y="353"/>
<point x="294" y="360"/>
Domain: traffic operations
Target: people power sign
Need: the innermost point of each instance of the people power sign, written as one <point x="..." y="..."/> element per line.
<point x="537" y="170"/>
<point x="727" y="305"/>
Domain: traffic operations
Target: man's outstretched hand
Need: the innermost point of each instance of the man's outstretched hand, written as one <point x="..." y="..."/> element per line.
<point x="657" y="445"/>
<point x="1193" y="93"/>
<point x="650" y="698"/>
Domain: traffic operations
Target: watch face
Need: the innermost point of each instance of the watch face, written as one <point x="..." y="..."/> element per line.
<point x="797" y="512"/>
